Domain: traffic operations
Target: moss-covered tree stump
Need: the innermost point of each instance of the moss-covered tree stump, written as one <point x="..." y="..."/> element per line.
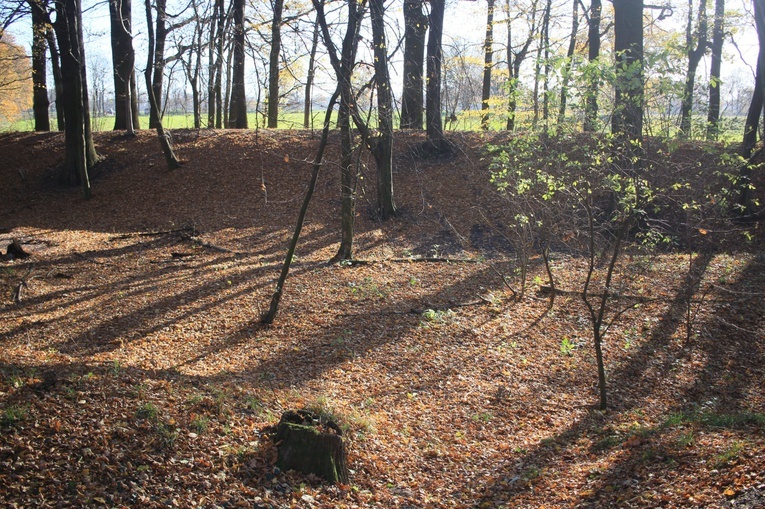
<point x="308" y="445"/>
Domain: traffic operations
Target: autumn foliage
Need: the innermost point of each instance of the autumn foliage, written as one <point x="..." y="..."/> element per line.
<point x="15" y="80"/>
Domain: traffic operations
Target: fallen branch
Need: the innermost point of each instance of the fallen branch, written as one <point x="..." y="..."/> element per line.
<point x="431" y="259"/>
<point x="188" y="230"/>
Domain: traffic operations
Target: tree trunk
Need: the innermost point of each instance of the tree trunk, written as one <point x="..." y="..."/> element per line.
<point x="40" y="101"/>
<point x="416" y="26"/>
<point x="237" y="117"/>
<point x="80" y="152"/>
<point x="307" y="107"/>
<point x="627" y="122"/>
<point x="547" y="67"/>
<point x="273" y="65"/>
<point x="213" y="68"/>
<point x="569" y="63"/>
<point x="694" y="57"/>
<point x="383" y="147"/>
<point x="270" y="316"/>
<point x="434" y="123"/>
<point x="123" y="63"/>
<point x="718" y="36"/>
<point x="488" y="56"/>
<point x="343" y="67"/>
<point x="593" y="85"/>
<point x="157" y="61"/>
<point x="515" y="59"/>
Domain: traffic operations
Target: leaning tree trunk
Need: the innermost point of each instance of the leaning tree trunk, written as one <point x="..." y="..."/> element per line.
<point x="273" y="65"/>
<point x="416" y="26"/>
<point x="718" y="36"/>
<point x="383" y="148"/>
<point x="237" y="117"/>
<point x="164" y="138"/>
<point x="488" y="56"/>
<point x="753" y="116"/>
<point x="40" y="101"/>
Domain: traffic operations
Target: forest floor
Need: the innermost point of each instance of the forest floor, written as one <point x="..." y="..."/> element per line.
<point x="134" y="371"/>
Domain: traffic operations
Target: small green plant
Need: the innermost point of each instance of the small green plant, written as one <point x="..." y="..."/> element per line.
<point x="116" y="367"/>
<point x="728" y="456"/>
<point x="482" y="417"/>
<point x="166" y="435"/>
<point x="686" y="439"/>
<point x="199" y="424"/>
<point x="413" y="281"/>
<point x="566" y="346"/>
<point x="147" y="411"/>
<point x="13" y="415"/>
<point x="437" y="317"/>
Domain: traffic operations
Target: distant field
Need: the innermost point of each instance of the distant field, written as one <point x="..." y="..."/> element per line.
<point x="732" y="127"/>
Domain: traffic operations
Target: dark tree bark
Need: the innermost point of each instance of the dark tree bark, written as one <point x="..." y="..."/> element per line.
<point x="164" y="138"/>
<point x="123" y="59"/>
<point x="433" y="121"/>
<point x="694" y="57"/>
<point x="193" y="66"/>
<point x="237" y="117"/>
<point x="81" y="154"/>
<point x="273" y="64"/>
<point x="593" y="50"/>
<point x="753" y="116"/>
<point x="627" y="121"/>
<point x="718" y="36"/>
<point x="488" y="57"/>
<point x="40" y="101"/>
<point x="416" y="26"/>
<point x="569" y="63"/>
<point x="157" y="61"/>
<point x="383" y="146"/>
<point x="55" y="60"/>
<point x="307" y="108"/>
<point x="542" y="48"/>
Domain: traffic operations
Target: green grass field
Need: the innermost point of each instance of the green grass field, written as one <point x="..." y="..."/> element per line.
<point x="732" y="127"/>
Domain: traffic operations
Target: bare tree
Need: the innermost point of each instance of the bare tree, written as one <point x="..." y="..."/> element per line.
<point x="694" y="57"/>
<point x="273" y="64"/>
<point x="237" y="117"/>
<point x="416" y="26"/>
<point x="718" y="33"/>
<point x="488" y="54"/>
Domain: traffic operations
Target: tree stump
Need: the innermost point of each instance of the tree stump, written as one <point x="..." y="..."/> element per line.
<point x="308" y="445"/>
<point x="15" y="251"/>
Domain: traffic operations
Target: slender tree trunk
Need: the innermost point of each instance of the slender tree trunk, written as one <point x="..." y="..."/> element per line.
<point x="569" y="63"/>
<point x="307" y="108"/>
<point x="158" y="63"/>
<point x="434" y="123"/>
<point x="273" y="64"/>
<point x="57" y="80"/>
<point x="547" y="67"/>
<point x="211" y="62"/>
<point x="416" y="27"/>
<point x="270" y="316"/>
<point x="515" y="59"/>
<point x="593" y="85"/>
<point x="237" y="117"/>
<point x="718" y="36"/>
<point x="383" y="146"/>
<point x="694" y="57"/>
<point x="40" y="101"/>
<point x="488" y="57"/>
<point x="227" y="96"/>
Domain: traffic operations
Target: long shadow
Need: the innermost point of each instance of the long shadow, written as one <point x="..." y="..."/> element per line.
<point x="642" y="371"/>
